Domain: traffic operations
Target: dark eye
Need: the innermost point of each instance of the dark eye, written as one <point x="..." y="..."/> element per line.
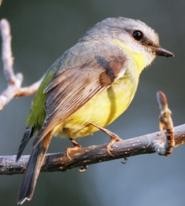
<point x="138" y="35"/>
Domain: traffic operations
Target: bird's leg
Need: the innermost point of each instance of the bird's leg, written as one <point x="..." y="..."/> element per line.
<point x="74" y="143"/>
<point x="113" y="138"/>
<point x="72" y="150"/>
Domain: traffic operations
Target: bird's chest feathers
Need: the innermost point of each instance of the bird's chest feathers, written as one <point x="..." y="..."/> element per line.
<point x="103" y="108"/>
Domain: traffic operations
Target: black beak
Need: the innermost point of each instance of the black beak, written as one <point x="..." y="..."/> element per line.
<point x="163" y="52"/>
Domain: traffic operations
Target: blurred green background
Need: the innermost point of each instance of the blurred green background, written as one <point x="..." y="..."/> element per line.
<point x="42" y="31"/>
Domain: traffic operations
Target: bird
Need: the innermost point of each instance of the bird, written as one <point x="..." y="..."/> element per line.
<point x="87" y="88"/>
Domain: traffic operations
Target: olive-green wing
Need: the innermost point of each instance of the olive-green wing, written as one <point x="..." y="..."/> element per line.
<point x="38" y="111"/>
<point x="37" y="114"/>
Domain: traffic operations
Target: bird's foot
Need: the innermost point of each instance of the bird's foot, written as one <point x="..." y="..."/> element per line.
<point x="71" y="151"/>
<point x="113" y="138"/>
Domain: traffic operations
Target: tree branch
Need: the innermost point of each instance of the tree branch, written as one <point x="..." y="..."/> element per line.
<point x="145" y="144"/>
<point x="14" y="81"/>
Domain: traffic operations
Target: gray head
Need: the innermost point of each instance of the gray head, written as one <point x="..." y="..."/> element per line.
<point x="138" y="36"/>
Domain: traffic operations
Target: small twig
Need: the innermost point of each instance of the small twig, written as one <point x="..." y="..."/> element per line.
<point x="30" y="90"/>
<point x="166" y="123"/>
<point x="7" y="57"/>
<point x="14" y="81"/>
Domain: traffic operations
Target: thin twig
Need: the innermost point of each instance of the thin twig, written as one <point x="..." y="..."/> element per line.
<point x="14" y="81"/>
<point x="7" y="57"/>
<point x="145" y="144"/>
<point x="30" y="90"/>
<point x="166" y="123"/>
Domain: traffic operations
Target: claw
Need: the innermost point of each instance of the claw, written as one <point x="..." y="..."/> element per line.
<point x="113" y="138"/>
<point x="71" y="151"/>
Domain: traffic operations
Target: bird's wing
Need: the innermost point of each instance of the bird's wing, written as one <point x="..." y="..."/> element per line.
<point x="71" y="88"/>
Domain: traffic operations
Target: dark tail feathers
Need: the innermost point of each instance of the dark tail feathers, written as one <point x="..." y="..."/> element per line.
<point x="33" y="170"/>
<point x="27" y="136"/>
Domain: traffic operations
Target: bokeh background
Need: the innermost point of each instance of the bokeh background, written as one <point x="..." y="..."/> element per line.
<point x="42" y="31"/>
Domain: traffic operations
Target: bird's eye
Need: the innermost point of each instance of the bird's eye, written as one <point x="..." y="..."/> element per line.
<point x="137" y="34"/>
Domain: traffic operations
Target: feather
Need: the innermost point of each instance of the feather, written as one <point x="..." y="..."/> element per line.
<point x="26" y="137"/>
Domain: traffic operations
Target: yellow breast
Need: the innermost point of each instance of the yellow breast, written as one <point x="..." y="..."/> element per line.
<point x="107" y="105"/>
<point x="102" y="109"/>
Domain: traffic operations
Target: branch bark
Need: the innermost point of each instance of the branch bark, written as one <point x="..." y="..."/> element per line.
<point x="145" y="144"/>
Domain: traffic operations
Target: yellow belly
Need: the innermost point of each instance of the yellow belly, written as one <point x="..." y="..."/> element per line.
<point x="102" y="109"/>
<point x="108" y="105"/>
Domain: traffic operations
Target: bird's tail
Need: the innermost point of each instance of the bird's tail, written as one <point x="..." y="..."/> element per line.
<point x="33" y="170"/>
<point x="26" y="137"/>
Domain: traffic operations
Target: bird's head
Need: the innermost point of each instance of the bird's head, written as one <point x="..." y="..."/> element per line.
<point x="133" y="36"/>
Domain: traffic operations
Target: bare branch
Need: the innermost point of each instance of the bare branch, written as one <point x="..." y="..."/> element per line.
<point x="14" y="81"/>
<point x="30" y="90"/>
<point x="166" y="123"/>
<point x="145" y="144"/>
<point x="7" y="57"/>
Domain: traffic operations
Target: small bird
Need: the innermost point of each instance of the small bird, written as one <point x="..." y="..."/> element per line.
<point x="87" y="88"/>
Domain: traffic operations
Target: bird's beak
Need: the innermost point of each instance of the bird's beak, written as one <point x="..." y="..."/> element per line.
<point x="163" y="52"/>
